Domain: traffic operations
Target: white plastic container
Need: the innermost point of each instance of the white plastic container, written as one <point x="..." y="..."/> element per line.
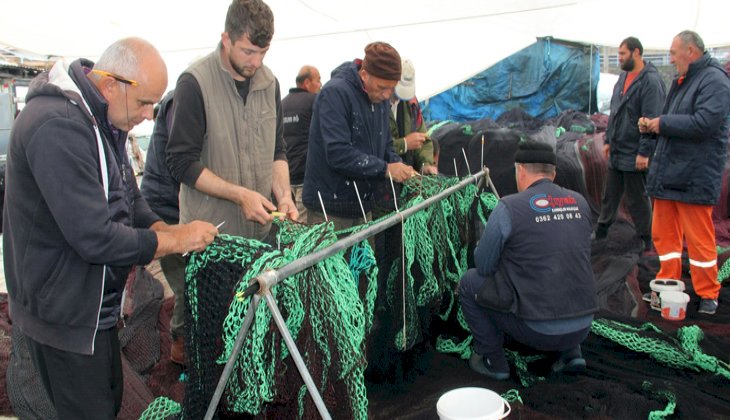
<point x="674" y="305"/>
<point x="472" y="404"/>
<point x="663" y="285"/>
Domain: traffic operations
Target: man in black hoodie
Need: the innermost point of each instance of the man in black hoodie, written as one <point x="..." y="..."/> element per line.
<point x="75" y="222"/>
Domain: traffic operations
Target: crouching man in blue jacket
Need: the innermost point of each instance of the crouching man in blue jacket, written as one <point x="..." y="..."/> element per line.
<point x="75" y="222"/>
<point x="533" y="278"/>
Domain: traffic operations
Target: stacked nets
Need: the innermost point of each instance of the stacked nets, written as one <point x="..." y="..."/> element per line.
<point x="329" y="309"/>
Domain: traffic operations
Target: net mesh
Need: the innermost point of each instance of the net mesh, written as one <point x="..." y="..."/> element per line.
<point x="329" y="308"/>
<point x="398" y="291"/>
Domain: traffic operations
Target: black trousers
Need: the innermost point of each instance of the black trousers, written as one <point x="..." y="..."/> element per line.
<point x="632" y="185"/>
<point x="81" y="386"/>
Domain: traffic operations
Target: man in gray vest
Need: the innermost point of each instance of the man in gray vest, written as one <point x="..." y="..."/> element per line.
<point x="533" y="278"/>
<point x="226" y="146"/>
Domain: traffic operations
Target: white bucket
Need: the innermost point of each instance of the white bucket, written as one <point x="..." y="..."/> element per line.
<point x="472" y="404"/>
<point x="674" y="305"/>
<point x="663" y="285"/>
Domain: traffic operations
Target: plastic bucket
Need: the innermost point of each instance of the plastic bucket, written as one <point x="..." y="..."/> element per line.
<point x="472" y="404"/>
<point x="663" y="285"/>
<point x="674" y="305"/>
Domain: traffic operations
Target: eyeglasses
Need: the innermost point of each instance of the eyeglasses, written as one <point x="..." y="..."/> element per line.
<point x="115" y="77"/>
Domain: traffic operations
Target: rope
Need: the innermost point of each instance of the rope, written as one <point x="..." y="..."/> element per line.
<point x="663" y="394"/>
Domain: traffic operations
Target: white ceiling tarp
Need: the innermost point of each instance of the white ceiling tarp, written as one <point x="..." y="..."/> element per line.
<point x="448" y="40"/>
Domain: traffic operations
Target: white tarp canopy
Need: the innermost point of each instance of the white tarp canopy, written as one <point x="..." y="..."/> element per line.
<point x="448" y="41"/>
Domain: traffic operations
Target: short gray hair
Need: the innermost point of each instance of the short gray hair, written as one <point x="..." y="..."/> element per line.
<point x="121" y="57"/>
<point x="692" y="38"/>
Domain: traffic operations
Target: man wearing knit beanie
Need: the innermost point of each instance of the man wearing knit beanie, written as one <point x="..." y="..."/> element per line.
<point x="533" y="278"/>
<point x="350" y="146"/>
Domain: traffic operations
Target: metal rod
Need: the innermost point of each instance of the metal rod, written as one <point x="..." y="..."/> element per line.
<point x="300" y="264"/>
<point x="482" y="161"/>
<point x="359" y="200"/>
<point x="228" y="369"/>
<point x="392" y="188"/>
<point x="294" y="351"/>
<point x="466" y="160"/>
<point x="321" y="203"/>
<point x="490" y="184"/>
<point x="271" y="277"/>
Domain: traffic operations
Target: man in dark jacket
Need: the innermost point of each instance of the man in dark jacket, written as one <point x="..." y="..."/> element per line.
<point x="161" y="191"/>
<point x="639" y="92"/>
<point x="533" y="278"/>
<point x="297" y="110"/>
<point x="685" y="176"/>
<point x="75" y="222"/>
<point x="350" y="146"/>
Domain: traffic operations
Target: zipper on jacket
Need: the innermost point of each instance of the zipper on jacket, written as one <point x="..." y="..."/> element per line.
<point x="105" y="182"/>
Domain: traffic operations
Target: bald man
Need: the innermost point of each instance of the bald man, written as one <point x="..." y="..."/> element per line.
<point x="75" y="222"/>
<point x="297" y="110"/>
<point x="685" y="175"/>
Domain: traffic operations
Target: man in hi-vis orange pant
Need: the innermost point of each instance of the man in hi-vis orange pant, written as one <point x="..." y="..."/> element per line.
<point x="685" y="175"/>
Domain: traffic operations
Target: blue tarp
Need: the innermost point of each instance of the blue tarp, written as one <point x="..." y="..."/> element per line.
<point x="544" y="79"/>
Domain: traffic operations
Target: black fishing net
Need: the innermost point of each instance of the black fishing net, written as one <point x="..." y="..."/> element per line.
<point x="380" y="329"/>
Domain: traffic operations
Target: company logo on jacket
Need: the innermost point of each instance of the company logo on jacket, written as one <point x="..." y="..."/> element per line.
<point x="543" y="203"/>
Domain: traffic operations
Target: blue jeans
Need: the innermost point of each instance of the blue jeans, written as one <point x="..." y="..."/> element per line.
<point x="489" y="326"/>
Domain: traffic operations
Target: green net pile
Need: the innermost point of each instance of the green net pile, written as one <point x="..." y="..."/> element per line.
<point x="331" y="311"/>
<point x="328" y="308"/>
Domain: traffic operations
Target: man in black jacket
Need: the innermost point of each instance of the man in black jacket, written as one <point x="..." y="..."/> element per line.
<point x="639" y="92"/>
<point x="533" y="278"/>
<point x="75" y="222"/>
<point x="161" y="191"/>
<point x="297" y="110"/>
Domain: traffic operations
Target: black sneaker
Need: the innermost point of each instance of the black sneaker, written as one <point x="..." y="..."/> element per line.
<point x="653" y="304"/>
<point x="572" y="366"/>
<point x="481" y="364"/>
<point x="708" y="306"/>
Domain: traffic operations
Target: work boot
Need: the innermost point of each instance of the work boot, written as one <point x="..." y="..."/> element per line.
<point x="481" y="364"/>
<point x="570" y="361"/>
<point x="177" y="351"/>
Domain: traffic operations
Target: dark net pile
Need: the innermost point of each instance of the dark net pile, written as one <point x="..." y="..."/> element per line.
<point x="338" y="311"/>
<point x="380" y="328"/>
<point x="639" y="365"/>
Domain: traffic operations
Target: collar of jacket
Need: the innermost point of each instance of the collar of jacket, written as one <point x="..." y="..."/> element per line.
<point x="78" y="71"/>
<point x="698" y="65"/>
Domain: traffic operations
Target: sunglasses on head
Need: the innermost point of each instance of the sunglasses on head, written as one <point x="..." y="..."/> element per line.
<point x="115" y="77"/>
